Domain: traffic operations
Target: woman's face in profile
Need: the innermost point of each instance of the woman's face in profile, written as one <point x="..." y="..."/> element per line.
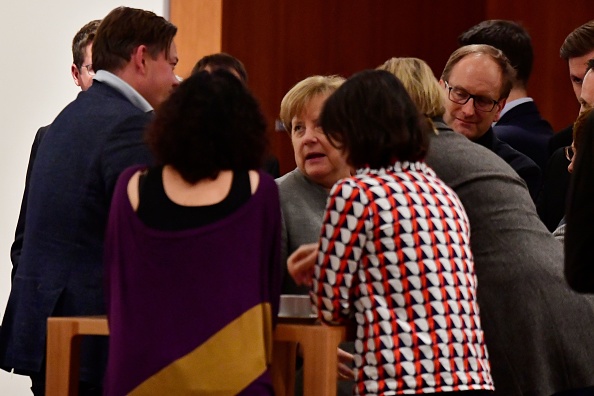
<point x="316" y="158"/>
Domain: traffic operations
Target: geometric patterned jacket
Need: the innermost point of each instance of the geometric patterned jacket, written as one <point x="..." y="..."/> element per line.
<point x="394" y="256"/>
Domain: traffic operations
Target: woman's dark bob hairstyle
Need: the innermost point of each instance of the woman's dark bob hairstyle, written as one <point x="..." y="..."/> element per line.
<point x="211" y="122"/>
<point x="374" y="120"/>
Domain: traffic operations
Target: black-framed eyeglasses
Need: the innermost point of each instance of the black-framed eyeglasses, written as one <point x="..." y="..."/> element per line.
<point x="460" y="96"/>
<point x="89" y="68"/>
<point x="569" y="152"/>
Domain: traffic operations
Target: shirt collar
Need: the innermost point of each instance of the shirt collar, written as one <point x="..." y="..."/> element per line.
<point x="124" y="88"/>
<point x="510" y="105"/>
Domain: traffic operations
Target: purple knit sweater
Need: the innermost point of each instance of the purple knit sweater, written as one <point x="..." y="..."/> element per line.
<point x="171" y="293"/>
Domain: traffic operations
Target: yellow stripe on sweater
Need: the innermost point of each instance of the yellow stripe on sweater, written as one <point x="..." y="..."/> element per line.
<point x="224" y="364"/>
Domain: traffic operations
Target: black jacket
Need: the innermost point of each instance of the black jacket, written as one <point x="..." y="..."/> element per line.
<point x="522" y="164"/>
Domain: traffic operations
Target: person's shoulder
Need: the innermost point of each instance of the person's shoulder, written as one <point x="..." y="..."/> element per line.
<point x="40" y="134"/>
<point x="460" y="162"/>
<point x="511" y="155"/>
<point x="456" y="149"/>
<point x="283" y="179"/>
<point x="536" y="129"/>
<point x="291" y="180"/>
<point x="125" y="176"/>
<point x="97" y="108"/>
<point x="510" y="132"/>
<point x="41" y="131"/>
<point x="525" y="110"/>
<point x="359" y="184"/>
<point x="266" y="194"/>
<point x="561" y="139"/>
<point x="264" y="179"/>
<point x="102" y="98"/>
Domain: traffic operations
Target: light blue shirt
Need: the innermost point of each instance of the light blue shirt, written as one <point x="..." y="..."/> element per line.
<point x="124" y="88"/>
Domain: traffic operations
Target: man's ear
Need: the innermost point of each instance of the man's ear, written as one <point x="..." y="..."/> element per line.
<point x="442" y="83"/>
<point x="75" y="74"/>
<point x="138" y="58"/>
<point x="499" y="107"/>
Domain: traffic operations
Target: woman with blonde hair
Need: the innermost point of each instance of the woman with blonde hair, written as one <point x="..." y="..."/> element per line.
<point x="420" y="83"/>
<point x="394" y="251"/>
<point x="303" y="191"/>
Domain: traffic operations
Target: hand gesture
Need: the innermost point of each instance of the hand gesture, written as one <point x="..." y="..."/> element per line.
<point x="301" y="263"/>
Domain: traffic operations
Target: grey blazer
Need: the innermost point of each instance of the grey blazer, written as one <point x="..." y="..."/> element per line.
<point x="538" y="331"/>
<point x="303" y="204"/>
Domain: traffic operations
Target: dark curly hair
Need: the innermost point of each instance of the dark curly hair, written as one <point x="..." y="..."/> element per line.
<point x="221" y="60"/>
<point x="211" y="122"/>
<point x="372" y="117"/>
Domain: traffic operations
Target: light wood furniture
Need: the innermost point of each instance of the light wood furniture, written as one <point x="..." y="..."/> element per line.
<point x="318" y="344"/>
<point x="63" y="351"/>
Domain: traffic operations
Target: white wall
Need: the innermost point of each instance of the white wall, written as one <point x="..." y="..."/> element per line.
<point x="35" y="84"/>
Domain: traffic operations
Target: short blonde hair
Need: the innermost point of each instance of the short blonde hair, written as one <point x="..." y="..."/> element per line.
<point x="420" y="83"/>
<point x="298" y="96"/>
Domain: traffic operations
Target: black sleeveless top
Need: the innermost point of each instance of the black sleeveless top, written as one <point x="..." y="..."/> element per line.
<point x="156" y="210"/>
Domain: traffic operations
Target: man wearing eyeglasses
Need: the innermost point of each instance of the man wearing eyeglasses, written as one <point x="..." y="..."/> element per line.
<point x="82" y="60"/>
<point x="88" y="145"/>
<point x="82" y="74"/>
<point x="580" y="213"/>
<point x="577" y="49"/>
<point x="477" y="80"/>
<point x="586" y="99"/>
<point x="520" y="124"/>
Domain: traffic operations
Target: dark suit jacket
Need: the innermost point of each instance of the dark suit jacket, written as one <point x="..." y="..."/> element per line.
<point x="538" y="332"/>
<point x="525" y="130"/>
<point x="562" y="138"/>
<point x="60" y="271"/>
<point x="524" y="166"/>
<point x="551" y="200"/>
<point x="579" y="233"/>
<point x="17" y="245"/>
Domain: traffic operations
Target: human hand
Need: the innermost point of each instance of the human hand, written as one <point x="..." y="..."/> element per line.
<point x="345" y="361"/>
<point x="301" y="263"/>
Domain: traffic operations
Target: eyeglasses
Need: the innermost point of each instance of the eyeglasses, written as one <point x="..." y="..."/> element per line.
<point x="569" y="152"/>
<point x="460" y="96"/>
<point x="89" y="68"/>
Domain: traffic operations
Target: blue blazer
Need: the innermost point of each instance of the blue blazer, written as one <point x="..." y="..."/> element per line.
<point x="17" y="245"/>
<point x="60" y="270"/>
<point x="522" y="164"/>
<point x="524" y="129"/>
